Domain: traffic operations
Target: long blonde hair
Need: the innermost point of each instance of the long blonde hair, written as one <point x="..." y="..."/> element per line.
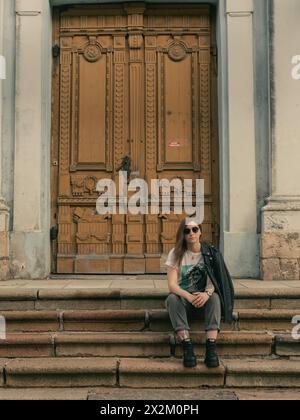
<point x="181" y="244"/>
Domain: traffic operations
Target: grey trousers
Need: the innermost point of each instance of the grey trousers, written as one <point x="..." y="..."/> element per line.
<point x="181" y="309"/>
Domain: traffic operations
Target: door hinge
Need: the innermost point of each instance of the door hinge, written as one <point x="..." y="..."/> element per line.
<point x="56" y="51"/>
<point x="54" y="233"/>
<point x="216" y="230"/>
<point x="214" y="50"/>
<point x="214" y="54"/>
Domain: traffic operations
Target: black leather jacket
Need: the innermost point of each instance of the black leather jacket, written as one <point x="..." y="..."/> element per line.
<point x="220" y="278"/>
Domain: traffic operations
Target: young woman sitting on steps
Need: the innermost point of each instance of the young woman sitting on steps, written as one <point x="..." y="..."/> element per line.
<point x="198" y="280"/>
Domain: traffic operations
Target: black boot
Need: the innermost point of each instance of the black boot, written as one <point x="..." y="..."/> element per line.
<point x="189" y="358"/>
<point x="211" y="358"/>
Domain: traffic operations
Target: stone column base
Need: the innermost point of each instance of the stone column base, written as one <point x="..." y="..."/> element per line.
<point x="4" y="241"/>
<point x="280" y="257"/>
<point x="280" y="240"/>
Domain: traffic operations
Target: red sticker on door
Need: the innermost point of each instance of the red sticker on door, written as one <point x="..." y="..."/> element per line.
<point x="174" y="143"/>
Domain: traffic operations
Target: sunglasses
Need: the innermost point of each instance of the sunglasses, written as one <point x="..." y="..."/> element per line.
<point x="187" y="231"/>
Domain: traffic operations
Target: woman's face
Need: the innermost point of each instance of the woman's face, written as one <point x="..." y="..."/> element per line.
<point x="192" y="237"/>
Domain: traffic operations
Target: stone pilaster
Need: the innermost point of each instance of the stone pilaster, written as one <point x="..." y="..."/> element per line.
<point x="4" y="210"/>
<point x="280" y="241"/>
<point x="30" y="243"/>
<point x="241" y="242"/>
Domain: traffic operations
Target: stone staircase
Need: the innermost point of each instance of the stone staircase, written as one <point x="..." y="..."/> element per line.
<point x="122" y="338"/>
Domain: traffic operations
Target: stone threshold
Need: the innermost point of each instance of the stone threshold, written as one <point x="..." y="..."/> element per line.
<point x="113" y="394"/>
<point x="136" y="282"/>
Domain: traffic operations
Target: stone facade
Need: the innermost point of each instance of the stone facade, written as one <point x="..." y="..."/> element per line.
<point x="258" y="127"/>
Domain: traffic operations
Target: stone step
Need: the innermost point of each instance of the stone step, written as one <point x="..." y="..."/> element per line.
<point x="286" y="345"/>
<point x="263" y="373"/>
<point x="59" y="372"/>
<point x="139" y="373"/>
<point x="274" y="320"/>
<point x="146" y="394"/>
<point x="109" y="320"/>
<point x="169" y="394"/>
<point x="125" y="394"/>
<point x="112" y="299"/>
<point x="234" y="344"/>
<point x="31" y="321"/>
<point x="244" y="320"/>
<point x="137" y="321"/>
<point x="159" y="321"/>
<point x="146" y="373"/>
<point x="27" y="345"/>
<point x="129" y="345"/>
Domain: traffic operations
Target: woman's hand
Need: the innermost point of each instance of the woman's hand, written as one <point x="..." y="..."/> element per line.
<point x="200" y="300"/>
<point x="191" y="298"/>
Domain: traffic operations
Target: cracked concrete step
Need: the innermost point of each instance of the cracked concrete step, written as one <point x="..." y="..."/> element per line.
<point x="101" y="299"/>
<point x="128" y="345"/>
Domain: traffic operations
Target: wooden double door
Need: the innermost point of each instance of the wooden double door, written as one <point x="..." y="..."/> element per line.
<point x="133" y="89"/>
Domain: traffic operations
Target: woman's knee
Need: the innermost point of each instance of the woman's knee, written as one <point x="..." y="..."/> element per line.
<point x="215" y="301"/>
<point x="172" y="300"/>
<point x="213" y="313"/>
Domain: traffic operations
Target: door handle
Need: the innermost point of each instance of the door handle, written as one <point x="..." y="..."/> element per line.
<point x="126" y="165"/>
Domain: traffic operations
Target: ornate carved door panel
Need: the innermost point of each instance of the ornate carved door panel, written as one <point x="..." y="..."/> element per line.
<point x="129" y="81"/>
